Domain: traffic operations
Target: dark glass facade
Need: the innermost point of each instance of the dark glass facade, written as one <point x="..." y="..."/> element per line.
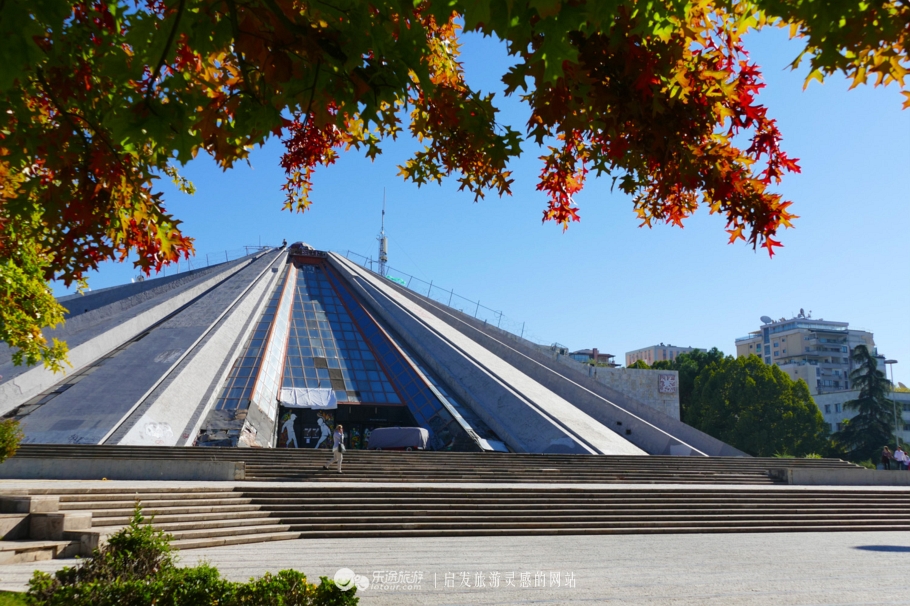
<point x="320" y="337"/>
<point x="238" y="387"/>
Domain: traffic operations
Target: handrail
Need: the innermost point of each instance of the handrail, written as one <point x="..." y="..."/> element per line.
<point x="450" y="298"/>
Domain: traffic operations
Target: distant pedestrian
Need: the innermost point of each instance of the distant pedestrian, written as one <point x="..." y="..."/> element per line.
<point x="886" y="458"/>
<point x="902" y="458"/>
<point x="337" y="447"/>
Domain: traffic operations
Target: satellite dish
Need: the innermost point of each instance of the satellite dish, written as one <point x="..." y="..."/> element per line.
<point x="766" y="320"/>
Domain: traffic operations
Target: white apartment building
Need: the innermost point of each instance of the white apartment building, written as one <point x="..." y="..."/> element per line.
<point x="816" y="351"/>
<point x="832" y="407"/>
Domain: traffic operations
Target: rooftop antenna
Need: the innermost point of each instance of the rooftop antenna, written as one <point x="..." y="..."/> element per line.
<point x="383" y="241"/>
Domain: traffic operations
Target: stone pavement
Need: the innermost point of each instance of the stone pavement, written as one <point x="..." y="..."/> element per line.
<point x="682" y="569"/>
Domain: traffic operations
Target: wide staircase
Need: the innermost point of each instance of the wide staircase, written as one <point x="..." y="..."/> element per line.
<point x="406" y="494"/>
<point x="305" y="465"/>
<point x="208" y="517"/>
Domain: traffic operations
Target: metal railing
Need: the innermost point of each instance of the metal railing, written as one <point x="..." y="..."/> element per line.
<point x="450" y="298"/>
<point x="200" y="260"/>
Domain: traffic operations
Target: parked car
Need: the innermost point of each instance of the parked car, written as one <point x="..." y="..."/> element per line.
<point x="398" y="438"/>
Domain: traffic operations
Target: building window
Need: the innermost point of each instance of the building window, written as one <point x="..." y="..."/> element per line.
<point x="827" y="409"/>
<point x="837" y="408"/>
<point x="767" y="360"/>
<point x="840" y="426"/>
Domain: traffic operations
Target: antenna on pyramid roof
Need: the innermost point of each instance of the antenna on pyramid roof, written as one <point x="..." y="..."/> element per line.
<point x="383" y="241"/>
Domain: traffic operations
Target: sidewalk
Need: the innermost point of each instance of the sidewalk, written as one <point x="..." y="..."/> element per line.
<point x="684" y="569"/>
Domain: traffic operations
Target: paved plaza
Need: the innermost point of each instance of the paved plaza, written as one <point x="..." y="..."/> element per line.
<point x="772" y="568"/>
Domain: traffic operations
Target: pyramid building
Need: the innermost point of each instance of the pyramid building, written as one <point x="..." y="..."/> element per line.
<point x="274" y="349"/>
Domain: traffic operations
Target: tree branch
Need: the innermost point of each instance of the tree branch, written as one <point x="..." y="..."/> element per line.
<point x="167" y="49"/>
<point x="235" y="29"/>
<point x="309" y="106"/>
<point x="329" y="49"/>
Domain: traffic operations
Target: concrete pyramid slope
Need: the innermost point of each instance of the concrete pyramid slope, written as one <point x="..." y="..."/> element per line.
<point x="521" y="393"/>
<point x="98" y="323"/>
<point x="608" y="405"/>
<point x="525" y="414"/>
<point x="137" y="349"/>
<point x="211" y="358"/>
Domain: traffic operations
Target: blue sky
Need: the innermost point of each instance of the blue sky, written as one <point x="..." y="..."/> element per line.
<point x="607" y="283"/>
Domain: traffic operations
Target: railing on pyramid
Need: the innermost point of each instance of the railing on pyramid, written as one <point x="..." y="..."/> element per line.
<point x="450" y="298"/>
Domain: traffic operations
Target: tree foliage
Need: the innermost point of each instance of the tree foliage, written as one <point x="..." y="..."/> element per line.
<point x="863" y="436"/>
<point x="10" y="437"/>
<point x="689" y="365"/>
<point x="757" y="408"/>
<point x="100" y="99"/>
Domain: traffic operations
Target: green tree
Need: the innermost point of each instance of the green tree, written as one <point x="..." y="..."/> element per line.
<point x="689" y="365"/>
<point x="10" y="437"/>
<point x="757" y="408"/>
<point x="639" y="364"/>
<point x="863" y="436"/>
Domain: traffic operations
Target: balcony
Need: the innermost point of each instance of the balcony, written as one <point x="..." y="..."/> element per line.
<point x="749" y="338"/>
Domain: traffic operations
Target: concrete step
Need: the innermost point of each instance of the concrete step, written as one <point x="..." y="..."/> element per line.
<point x="505" y="515"/>
<point x="162" y="520"/>
<point x="200" y="543"/>
<point x="172" y="527"/>
<point x="19" y="552"/>
<point x="129" y="502"/>
<point x="145" y="497"/>
<point x="150" y="512"/>
<point x="533" y="527"/>
<point x="230" y="531"/>
<point x="641" y="529"/>
<point x="531" y="522"/>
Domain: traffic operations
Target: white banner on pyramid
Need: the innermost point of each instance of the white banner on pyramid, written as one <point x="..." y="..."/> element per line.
<point x="302" y="397"/>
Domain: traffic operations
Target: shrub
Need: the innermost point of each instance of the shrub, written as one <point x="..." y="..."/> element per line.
<point x="137" y="568"/>
<point x="12" y="599"/>
<point x="10" y="436"/>
<point x="868" y="464"/>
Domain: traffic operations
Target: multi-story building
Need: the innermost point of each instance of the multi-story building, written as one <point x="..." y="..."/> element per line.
<point x="834" y="412"/>
<point x="656" y="353"/>
<point x="816" y="351"/>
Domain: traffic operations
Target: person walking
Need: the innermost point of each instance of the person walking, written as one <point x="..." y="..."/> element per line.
<point x="886" y="458"/>
<point x="902" y="458"/>
<point x="337" y="448"/>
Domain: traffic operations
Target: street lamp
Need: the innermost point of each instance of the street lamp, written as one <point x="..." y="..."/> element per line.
<point x="891" y="363"/>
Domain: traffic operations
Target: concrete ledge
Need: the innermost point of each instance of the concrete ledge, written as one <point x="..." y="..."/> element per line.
<point x="13" y="526"/>
<point x="10" y="503"/>
<point x="120" y="469"/>
<point x="841" y="477"/>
